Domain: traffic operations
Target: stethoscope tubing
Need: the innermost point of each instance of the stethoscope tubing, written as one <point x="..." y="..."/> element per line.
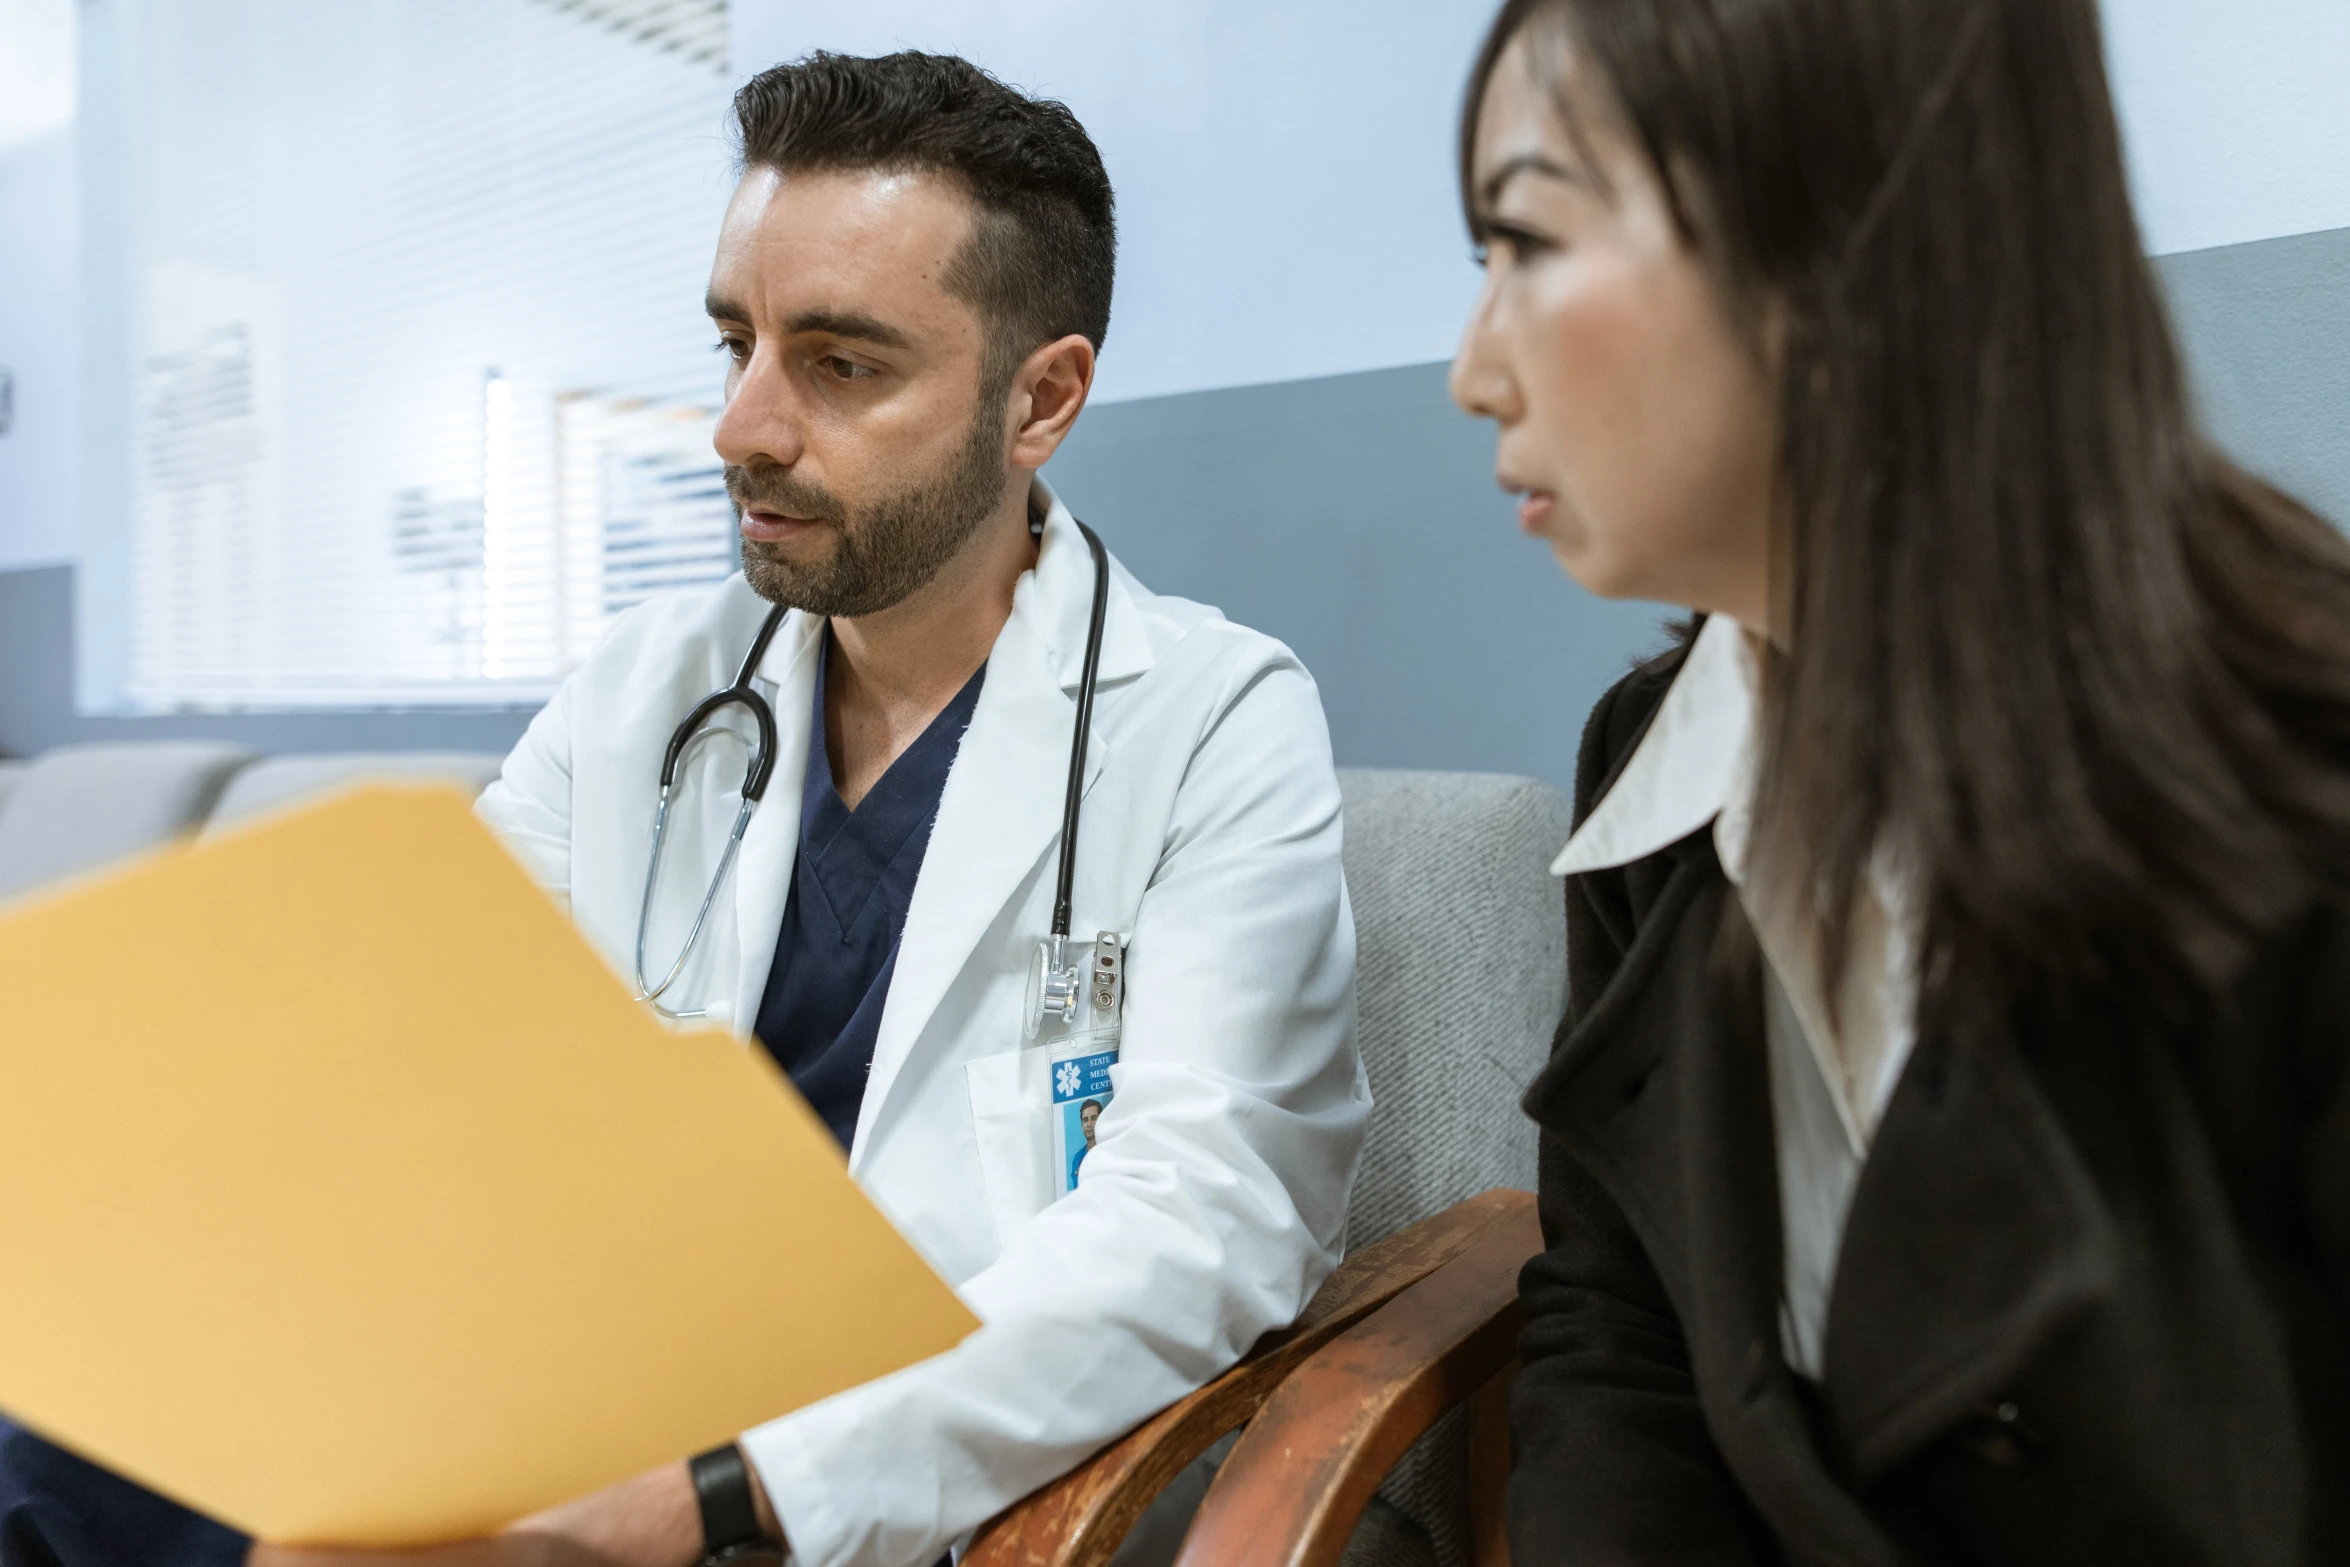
<point x="1065" y="883"/>
<point x="762" y="768"/>
<point x="740" y="693"/>
<point x="755" y="777"/>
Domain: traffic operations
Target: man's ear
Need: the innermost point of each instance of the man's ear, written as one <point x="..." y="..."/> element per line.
<point x="1048" y="392"/>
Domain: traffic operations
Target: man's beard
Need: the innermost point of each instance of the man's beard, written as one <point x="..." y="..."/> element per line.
<point x="882" y="553"/>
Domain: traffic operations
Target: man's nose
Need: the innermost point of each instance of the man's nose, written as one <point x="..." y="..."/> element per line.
<point x="763" y="420"/>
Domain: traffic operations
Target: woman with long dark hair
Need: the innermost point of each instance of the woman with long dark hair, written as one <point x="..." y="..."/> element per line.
<point x="1947" y="1154"/>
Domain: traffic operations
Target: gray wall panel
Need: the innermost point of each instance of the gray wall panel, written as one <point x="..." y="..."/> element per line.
<point x="2267" y="329"/>
<point x="1356" y="519"/>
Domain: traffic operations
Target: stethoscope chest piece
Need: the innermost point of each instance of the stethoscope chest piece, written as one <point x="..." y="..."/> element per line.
<point x="1053" y="987"/>
<point x="1058" y="984"/>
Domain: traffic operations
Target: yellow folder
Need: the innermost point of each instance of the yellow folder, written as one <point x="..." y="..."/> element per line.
<point x="346" y="1195"/>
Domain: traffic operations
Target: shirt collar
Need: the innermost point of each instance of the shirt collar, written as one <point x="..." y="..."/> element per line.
<point x="1695" y="765"/>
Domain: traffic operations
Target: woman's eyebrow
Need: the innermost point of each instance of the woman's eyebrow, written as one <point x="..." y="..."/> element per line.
<point x="1527" y="163"/>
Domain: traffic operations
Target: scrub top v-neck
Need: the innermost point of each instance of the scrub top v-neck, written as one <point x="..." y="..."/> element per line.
<point x="851" y="884"/>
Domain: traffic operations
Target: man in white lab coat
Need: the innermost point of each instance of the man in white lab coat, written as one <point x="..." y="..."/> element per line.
<point x="911" y="284"/>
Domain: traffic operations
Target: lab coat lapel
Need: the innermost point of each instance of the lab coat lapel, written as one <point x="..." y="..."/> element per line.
<point x="762" y="876"/>
<point x="1001" y="809"/>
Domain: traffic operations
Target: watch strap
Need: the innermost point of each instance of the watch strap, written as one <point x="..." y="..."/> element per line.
<point x="722" y="1489"/>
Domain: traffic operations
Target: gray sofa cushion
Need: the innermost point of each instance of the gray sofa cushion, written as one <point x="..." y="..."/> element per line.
<point x="81" y="806"/>
<point x="11" y="774"/>
<point x="283" y="780"/>
<point x="1462" y="979"/>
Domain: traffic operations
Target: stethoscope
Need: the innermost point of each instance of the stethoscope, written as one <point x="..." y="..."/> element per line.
<point x="1056" y="984"/>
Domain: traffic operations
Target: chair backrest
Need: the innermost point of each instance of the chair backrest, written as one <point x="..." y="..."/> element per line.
<point x="81" y="806"/>
<point x="1461" y="981"/>
<point x="287" y="780"/>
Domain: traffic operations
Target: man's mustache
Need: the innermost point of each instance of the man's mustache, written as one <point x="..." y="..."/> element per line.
<point x="775" y="489"/>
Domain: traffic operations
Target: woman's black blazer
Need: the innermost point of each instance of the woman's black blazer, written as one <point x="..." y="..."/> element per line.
<point x="2093" y="1302"/>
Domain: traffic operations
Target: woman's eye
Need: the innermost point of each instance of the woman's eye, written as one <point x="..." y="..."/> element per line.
<point x="1508" y="245"/>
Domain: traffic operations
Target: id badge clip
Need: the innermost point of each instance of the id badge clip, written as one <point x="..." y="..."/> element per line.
<point x="1075" y="994"/>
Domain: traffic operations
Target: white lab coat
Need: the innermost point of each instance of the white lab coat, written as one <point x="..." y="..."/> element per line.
<point x="1215" y="1200"/>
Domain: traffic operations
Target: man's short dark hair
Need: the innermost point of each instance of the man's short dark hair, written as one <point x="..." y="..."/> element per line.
<point x="1044" y="246"/>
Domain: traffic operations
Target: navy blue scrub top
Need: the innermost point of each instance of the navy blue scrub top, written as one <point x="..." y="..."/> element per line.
<point x="850" y="888"/>
<point x="58" y="1511"/>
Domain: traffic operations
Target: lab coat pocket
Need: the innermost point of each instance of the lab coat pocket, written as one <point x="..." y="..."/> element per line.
<point x="1011" y="1117"/>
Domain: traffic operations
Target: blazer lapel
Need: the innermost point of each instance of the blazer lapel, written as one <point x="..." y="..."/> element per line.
<point x="762" y="875"/>
<point x="1762" y="1422"/>
<point x="1976" y="1235"/>
<point x="1636" y="1088"/>
<point x="1663" y="1091"/>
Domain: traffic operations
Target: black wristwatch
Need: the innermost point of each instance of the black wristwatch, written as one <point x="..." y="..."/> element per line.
<point x="731" y="1536"/>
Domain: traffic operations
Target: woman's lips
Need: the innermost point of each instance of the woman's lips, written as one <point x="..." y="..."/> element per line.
<point x="773" y="527"/>
<point x="1534" y="510"/>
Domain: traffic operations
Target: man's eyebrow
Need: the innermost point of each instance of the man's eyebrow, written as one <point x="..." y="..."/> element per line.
<point x="832" y="323"/>
<point x="1527" y="163"/>
<point x="849" y="324"/>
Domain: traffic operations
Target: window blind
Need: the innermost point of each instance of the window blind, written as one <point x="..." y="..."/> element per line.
<point x="418" y="389"/>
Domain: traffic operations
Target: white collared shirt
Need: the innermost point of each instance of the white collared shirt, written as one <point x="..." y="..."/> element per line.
<point x="1829" y="1085"/>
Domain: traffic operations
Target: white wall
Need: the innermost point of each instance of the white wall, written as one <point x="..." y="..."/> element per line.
<point x="36" y="67"/>
<point x="39" y="462"/>
<point x="2237" y="116"/>
<point x="40" y="465"/>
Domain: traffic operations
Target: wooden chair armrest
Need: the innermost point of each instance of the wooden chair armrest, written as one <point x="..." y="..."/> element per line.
<point x="1079" y="1519"/>
<point x="1301" y="1475"/>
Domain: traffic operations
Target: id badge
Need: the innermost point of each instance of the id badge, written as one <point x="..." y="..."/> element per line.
<point x="1081" y="1060"/>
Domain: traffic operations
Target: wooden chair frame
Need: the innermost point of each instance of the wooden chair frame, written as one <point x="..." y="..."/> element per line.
<point x="1296" y="1483"/>
<point x="1400" y="1331"/>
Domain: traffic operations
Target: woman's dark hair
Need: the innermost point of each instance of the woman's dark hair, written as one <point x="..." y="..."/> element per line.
<point x="2090" y="680"/>
<point x="1044" y="251"/>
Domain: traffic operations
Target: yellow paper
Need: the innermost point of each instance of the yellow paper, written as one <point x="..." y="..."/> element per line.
<point x="345" y="1194"/>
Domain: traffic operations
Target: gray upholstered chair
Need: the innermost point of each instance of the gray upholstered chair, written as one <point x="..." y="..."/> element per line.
<point x="1462" y="940"/>
<point x="79" y="807"/>
<point x="82" y="806"/>
<point x="279" y="781"/>
<point x="1462" y="981"/>
<point x="11" y="774"/>
<point x="1462" y="978"/>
